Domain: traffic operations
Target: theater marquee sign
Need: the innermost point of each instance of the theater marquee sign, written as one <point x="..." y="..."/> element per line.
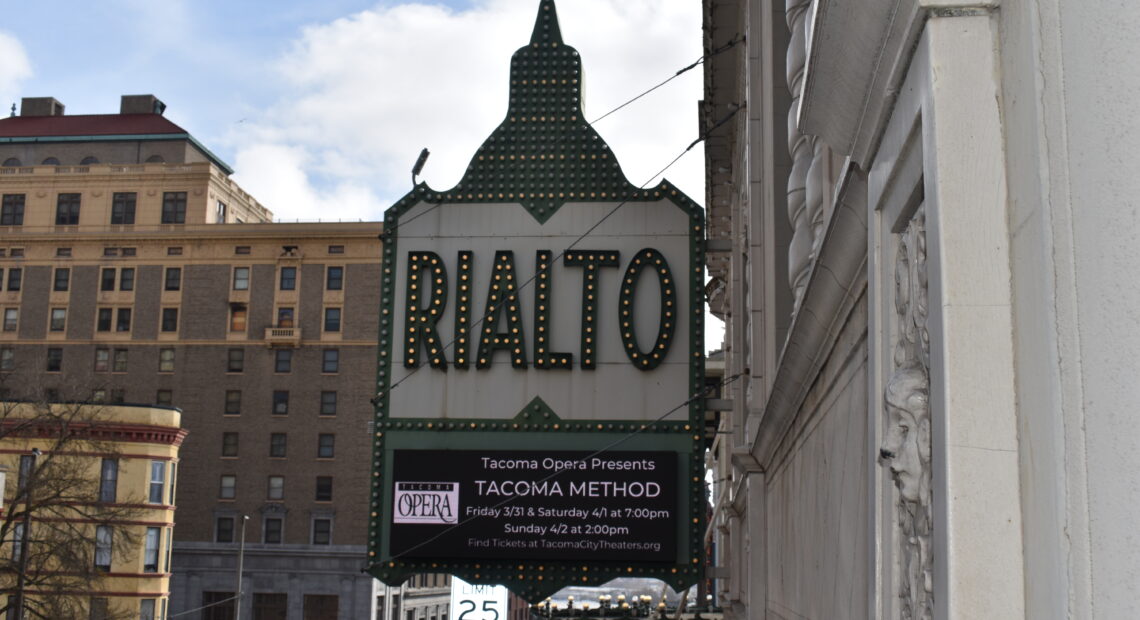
<point x="538" y="411"/>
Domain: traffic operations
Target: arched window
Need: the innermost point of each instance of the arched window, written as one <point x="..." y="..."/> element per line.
<point x="12" y="161"/>
<point x="155" y="159"/>
<point x="50" y="161"/>
<point x="90" y="159"/>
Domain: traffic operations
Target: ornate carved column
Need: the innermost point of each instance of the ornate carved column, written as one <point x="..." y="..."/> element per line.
<point x="906" y="447"/>
<point x="805" y="183"/>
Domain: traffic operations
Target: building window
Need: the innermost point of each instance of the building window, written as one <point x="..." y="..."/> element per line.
<point x="321" y="606"/>
<point x="157" y="482"/>
<point x="238" y="314"/>
<point x="228" y="487"/>
<point x="118" y="396"/>
<point x="224" y="529"/>
<point x="67" y="210"/>
<point x="324" y="488"/>
<point x="54" y="359"/>
<point x="123" y="208"/>
<point x="7" y="358"/>
<point x="332" y="319"/>
<point x="15" y="277"/>
<point x="63" y="252"/>
<point x="12" y="210"/>
<point x="175" y="250"/>
<point x="110" y="251"/>
<point x="150" y="552"/>
<point x="164" y="398"/>
<point x="170" y="319"/>
<point x="119" y="361"/>
<point x="330" y="361"/>
<point x="336" y="249"/>
<point x="233" y="402"/>
<point x="271" y="534"/>
<point x="328" y="403"/>
<point x="103" y="541"/>
<point x="102" y="360"/>
<point x="107" y="279"/>
<point x="241" y="278"/>
<point x="280" y="402"/>
<point x="108" y="480"/>
<point x="288" y="278"/>
<point x="326" y="445"/>
<point x="221" y="212"/>
<point x="173" y="279"/>
<point x="218" y="606"/>
<point x="236" y="360"/>
<point x="123" y="320"/>
<point x="146" y="608"/>
<point x="17" y="542"/>
<point x="322" y="535"/>
<point x="174" y="207"/>
<point x="285" y="318"/>
<point x="98" y="607"/>
<point x="277" y="444"/>
<point x="276" y="488"/>
<point x="89" y="160"/>
<point x="61" y="280"/>
<point x="129" y="251"/>
<point x="283" y="361"/>
<point x="229" y="444"/>
<point x="103" y="320"/>
<point x="166" y="360"/>
<point x="334" y="278"/>
<point x="58" y="319"/>
<point x="241" y="250"/>
<point x="27" y="464"/>
<point x="127" y="279"/>
<point x="11" y="319"/>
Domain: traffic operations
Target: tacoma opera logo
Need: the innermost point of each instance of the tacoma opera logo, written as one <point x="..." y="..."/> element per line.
<point x="426" y="502"/>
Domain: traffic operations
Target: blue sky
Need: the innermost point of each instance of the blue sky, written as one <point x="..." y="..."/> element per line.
<point x="322" y="107"/>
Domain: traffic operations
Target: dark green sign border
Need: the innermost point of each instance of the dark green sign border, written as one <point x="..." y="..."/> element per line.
<point x="542" y="157"/>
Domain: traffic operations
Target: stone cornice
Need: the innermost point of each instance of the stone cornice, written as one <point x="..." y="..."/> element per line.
<point x="832" y="289"/>
<point x="858" y="55"/>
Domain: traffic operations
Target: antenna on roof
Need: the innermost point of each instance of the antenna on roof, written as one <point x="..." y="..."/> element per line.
<point x="13" y="109"/>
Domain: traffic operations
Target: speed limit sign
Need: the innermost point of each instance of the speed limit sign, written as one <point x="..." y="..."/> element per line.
<point x="476" y="602"/>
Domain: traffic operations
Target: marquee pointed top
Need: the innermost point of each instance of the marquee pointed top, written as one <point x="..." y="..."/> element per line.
<point x="546" y="24"/>
<point x="544" y="153"/>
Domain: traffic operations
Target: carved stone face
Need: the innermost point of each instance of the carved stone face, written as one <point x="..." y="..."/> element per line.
<point x="906" y="447"/>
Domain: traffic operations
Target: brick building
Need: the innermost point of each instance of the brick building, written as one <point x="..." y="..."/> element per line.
<point x="134" y="270"/>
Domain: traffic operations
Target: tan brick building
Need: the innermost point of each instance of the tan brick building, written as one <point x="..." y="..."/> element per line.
<point x="135" y="271"/>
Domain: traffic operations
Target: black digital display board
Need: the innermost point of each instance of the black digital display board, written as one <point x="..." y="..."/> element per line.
<point x="547" y="505"/>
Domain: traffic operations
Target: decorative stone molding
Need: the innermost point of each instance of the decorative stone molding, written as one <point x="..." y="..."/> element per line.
<point x="805" y="182"/>
<point x="800" y="148"/>
<point x="907" y="445"/>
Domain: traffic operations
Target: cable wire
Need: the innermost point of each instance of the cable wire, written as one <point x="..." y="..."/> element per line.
<point x="681" y="71"/>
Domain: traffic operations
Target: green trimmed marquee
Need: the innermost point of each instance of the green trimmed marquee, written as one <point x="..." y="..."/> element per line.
<point x="496" y="457"/>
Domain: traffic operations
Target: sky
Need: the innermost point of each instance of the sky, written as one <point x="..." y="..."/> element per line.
<point x="322" y="107"/>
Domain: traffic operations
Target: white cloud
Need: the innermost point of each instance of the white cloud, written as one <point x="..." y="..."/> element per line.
<point x="366" y="92"/>
<point x="14" y="69"/>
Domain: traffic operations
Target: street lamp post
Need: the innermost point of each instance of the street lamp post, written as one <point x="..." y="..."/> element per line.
<point x="241" y="560"/>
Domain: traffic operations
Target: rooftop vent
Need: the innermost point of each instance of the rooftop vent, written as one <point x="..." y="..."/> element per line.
<point x="40" y="106"/>
<point x="141" y="104"/>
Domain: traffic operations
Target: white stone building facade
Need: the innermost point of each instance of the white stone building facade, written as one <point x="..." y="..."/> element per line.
<point x="923" y="243"/>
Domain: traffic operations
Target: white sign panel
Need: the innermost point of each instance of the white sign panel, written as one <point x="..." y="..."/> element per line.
<point x="477" y="602"/>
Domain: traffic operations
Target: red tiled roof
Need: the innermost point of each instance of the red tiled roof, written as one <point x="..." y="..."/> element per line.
<point x="87" y="125"/>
